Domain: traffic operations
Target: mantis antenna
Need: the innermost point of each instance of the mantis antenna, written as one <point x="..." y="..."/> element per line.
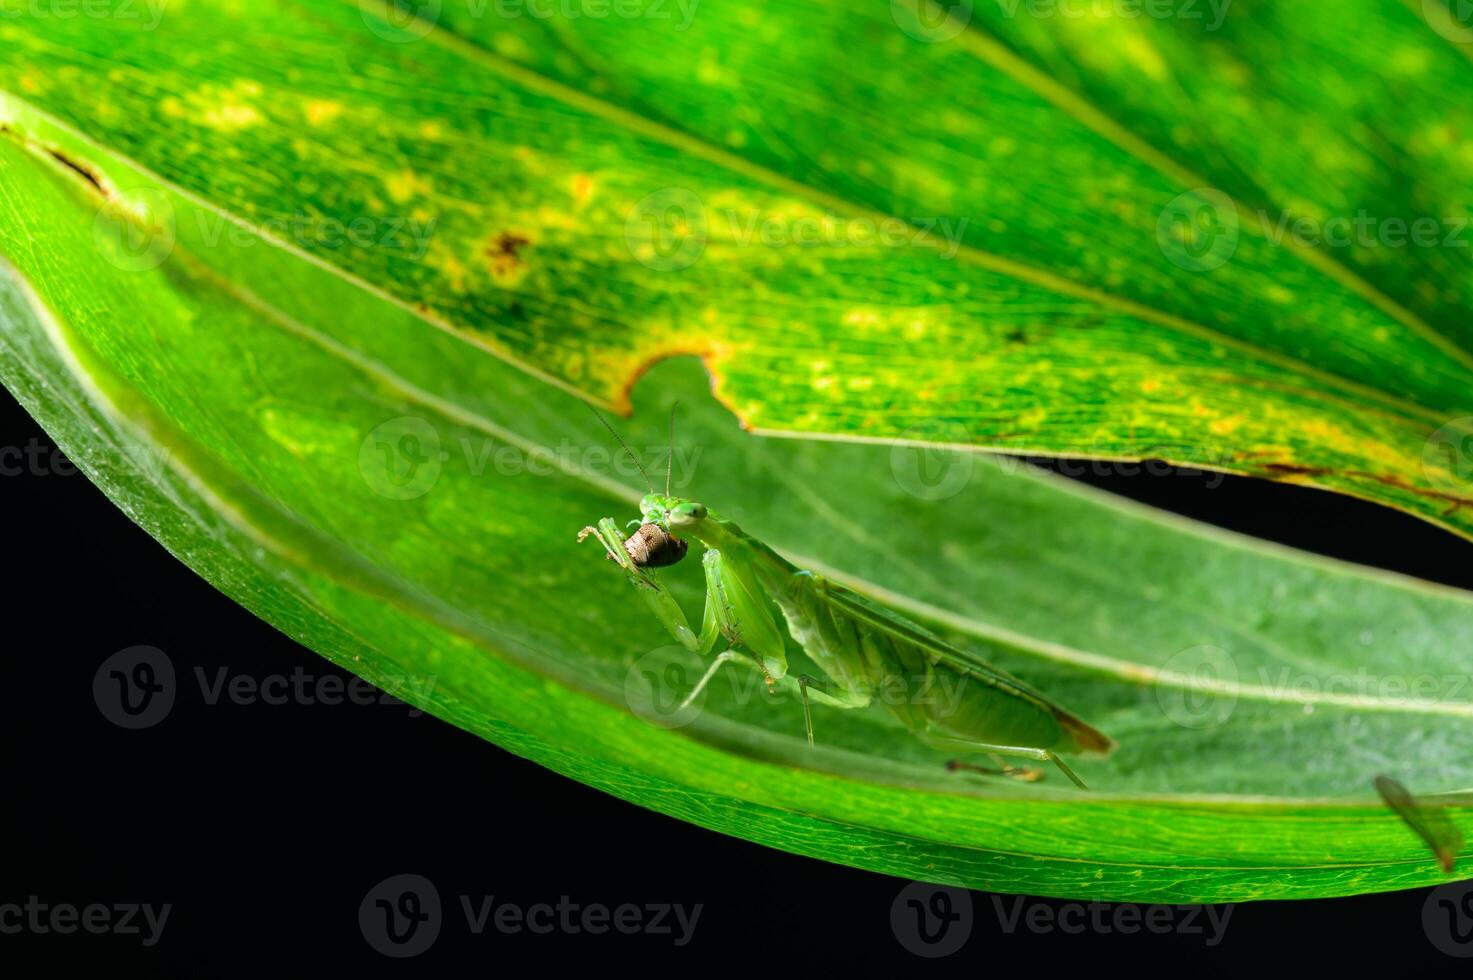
<point x="647" y="482"/>
<point x="670" y="457"/>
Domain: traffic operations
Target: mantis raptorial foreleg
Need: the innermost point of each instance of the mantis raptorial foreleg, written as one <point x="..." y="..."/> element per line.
<point x="664" y="606"/>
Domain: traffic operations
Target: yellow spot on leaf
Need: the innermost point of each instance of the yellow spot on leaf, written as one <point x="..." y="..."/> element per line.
<point x="231" y="116"/>
<point x="322" y="111"/>
<point x="405" y="185"/>
<point x="1144" y="56"/>
<point x="582" y="189"/>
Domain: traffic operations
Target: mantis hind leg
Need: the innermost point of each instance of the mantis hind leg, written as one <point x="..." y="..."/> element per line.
<point x="1015" y="751"/>
<point x="822" y="693"/>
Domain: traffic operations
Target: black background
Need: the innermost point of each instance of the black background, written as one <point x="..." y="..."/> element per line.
<point x="265" y="826"/>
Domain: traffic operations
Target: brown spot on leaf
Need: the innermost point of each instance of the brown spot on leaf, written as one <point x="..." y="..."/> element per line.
<point x="76" y="167"/>
<point x="505" y="254"/>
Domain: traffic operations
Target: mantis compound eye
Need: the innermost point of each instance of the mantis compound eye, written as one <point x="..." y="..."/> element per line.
<point x="687" y="513"/>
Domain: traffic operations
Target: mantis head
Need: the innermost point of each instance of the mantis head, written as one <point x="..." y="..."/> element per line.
<point x="674" y="513"/>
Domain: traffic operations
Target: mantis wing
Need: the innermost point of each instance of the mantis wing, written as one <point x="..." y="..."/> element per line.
<point x="882" y="620"/>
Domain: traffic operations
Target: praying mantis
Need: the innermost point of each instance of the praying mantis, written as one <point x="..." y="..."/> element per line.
<point x="860" y="646"/>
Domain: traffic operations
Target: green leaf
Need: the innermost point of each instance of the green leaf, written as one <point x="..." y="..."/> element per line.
<point x="407" y="506"/>
<point x="1067" y="235"/>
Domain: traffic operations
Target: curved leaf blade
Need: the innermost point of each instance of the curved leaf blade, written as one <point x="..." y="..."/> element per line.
<point x="590" y="195"/>
<point x="245" y="429"/>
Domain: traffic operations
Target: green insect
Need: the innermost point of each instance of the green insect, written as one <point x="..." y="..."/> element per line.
<point x="950" y="699"/>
